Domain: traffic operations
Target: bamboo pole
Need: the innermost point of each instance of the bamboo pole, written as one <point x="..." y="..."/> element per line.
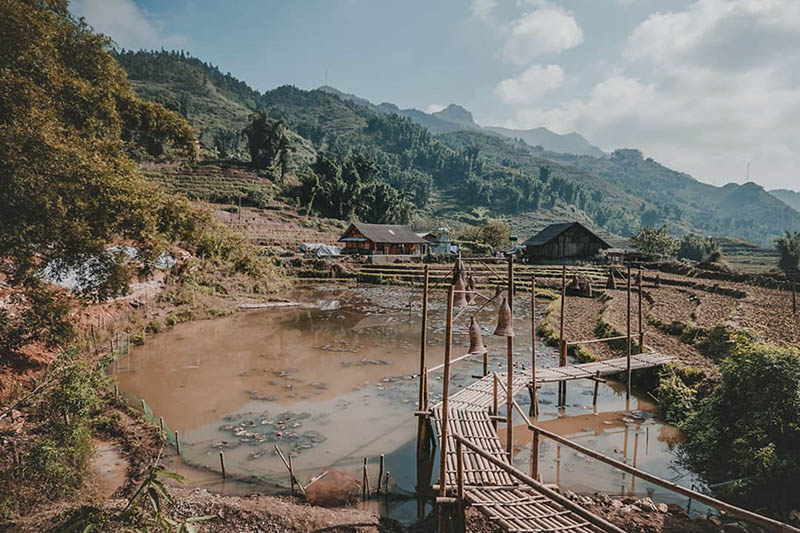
<point x="495" y="405"/>
<point x="423" y="373"/>
<point x="562" y="356"/>
<point x="290" y="469"/>
<point x="641" y="313"/>
<point x="460" y="482"/>
<point x="291" y="474"/>
<point x="380" y="475"/>
<point x="535" y="455"/>
<point x="448" y="345"/>
<point x="628" y="343"/>
<point x="222" y="465"/>
<point x="510" y="362"/>
<point x="534" y="391"/>
<point x="177" y="443"/>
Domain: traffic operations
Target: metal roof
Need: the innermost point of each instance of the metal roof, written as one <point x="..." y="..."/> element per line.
<point x="392" y="233"/>
<point x="554" y="230"/>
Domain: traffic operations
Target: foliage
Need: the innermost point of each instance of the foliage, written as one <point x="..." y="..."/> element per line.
<point x="69" y="188"/>
<point x="697" y="247"/>
<point x="53" y="467"/>
<point x="747" y="431"/>
<point x="494" y="234"/>
<point x="789" y="248"/>
<point x="676" y="398"/>
<point x="351" y="188"/>
<point x="654" y="241"/>
<point x="267" y="141"/>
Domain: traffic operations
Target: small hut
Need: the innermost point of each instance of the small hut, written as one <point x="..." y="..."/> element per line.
<point x="569" y="241"/>
<point x="383" y="239"/>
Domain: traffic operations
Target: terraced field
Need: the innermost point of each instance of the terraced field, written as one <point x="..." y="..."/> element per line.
<point x="216" y="184"/>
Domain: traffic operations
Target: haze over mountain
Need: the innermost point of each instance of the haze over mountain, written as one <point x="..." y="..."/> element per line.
<point x="451" y="166"/>
<point x="456" y="118"/>
<point x="789" y="197"/>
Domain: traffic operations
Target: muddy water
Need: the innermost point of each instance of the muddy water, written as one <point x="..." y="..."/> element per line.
<point x="337" y="383"/>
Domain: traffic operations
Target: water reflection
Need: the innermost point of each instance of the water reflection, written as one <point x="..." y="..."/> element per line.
<point x="337" y="383"/>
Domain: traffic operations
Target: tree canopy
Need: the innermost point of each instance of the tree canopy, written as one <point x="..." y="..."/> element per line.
<point x="69" y="189"/>
<point x="654" y="241"/>
<point x="789" y="249"/>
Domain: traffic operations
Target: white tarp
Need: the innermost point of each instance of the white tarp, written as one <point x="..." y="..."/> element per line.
<point x="320" y="250"/>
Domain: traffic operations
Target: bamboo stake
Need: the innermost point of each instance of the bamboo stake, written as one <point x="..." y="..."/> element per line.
<point x="510" y="396"/>
<point x="641" y="321"/>
<point x="222" y="465"/>
<point x="495" y="406"/>
<point x="596" y="386"/>
<point x="534" y="391"/>
<point x="628" y="343"/>
<point x="177" y="443"/>
<point x="562" y="359"/>
<point x="366" y="478"/>
<point x="290" y="469"/>
<point x="460" y="481"/>
<point x="535" y="455"/>
<point x="448" y="346"/>
<point x="380" y="475"/>
<point x="291" y="475"/>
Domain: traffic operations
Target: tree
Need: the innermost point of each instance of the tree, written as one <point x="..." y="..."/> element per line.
<point x="696" y="247"/>
<point x="747" y="432"/>
<point x="67" y="186"/>
<point x="266" y="140"/>
<point x="494" y="234"/>
<point x="654" y="241"/>
<point x="789" y="248"/>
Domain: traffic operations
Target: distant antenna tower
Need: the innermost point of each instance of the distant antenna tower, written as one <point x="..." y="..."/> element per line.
<point x="748" y="171"/>
<point x="326" y="79"/>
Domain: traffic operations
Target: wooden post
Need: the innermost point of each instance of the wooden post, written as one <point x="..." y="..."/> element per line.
<point x="628" y="343"/>
<point x="380" y="475"/>
<point x="641" y="314"/>
<point x="485" y="361"/>
<point x="291" y="475"/>
<point x="423" y="372"/>
<point x="535" y="455"/>
<point x="366" y="489"/>
<point x="510" y="396"/>
<point x="534" y="391"/>
<point x="224" y="473"/>
<point x="460" y="481"/>
<point x="177" y="443"/>
<point x="495" y="405"/>
<point x="596" y="386"/>
<point x="423" y="338"/>
<point x="510" y="281"/>
<point x="562" y="356"/>
<point x="161" y="424"/>
<point x="448" y="346"/>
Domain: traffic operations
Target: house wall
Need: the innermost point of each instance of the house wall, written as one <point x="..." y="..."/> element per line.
<point x="369" y="247"/>
<point x="573" y="243"/>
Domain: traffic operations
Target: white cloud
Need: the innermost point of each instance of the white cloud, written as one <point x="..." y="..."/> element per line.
<point x="704" y="89"/>
<point x="548" y="29"/>
<point x="434" y="108"/>
<point x="123" y="21"/>
<point x="533" y="83"/>
<point x="482" y="8"/>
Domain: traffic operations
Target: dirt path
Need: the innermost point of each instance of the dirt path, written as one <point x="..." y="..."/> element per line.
<point x="109" y="468"/>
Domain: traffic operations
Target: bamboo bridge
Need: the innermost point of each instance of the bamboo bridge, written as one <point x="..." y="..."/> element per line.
<point x="475" y="467"/>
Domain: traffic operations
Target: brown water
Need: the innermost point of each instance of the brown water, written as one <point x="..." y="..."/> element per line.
<point x="337" y="383"/>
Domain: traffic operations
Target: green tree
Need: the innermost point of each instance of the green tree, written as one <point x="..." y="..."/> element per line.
<point x="789" y="248"/>
<point x="494" y="234"/>
<point x="266" y="140"/>
<point x="747" y="432"/>
<point x="67" y="186"/>
<point x="697" y="247"/>
<point x="654" y="241"/>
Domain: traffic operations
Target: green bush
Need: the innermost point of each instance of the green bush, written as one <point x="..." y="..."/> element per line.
<point x="675" y="397"/>
<point x="746" y="433"/>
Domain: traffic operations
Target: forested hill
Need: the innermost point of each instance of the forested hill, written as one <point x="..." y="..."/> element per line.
<point x="463" y="170"/>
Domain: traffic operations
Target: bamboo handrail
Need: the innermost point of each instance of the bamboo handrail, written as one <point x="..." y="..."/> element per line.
<point x="592" y="341"/>
<point x="540" y="487"/>
<point x="738" y="512"/>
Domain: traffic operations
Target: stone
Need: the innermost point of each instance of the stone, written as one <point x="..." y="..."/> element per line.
<point x="714" y="519"/>
<point x="662" y="508"/>
<point x="646" y="504"/>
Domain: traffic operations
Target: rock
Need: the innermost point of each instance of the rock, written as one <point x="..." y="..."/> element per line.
<point x="604" y="499"/>
<point x="714" y="519"/>
<point x="662" y="508"/>
<point x="571" y="495"/>
<point x="646" y="504"/>
<point x="616" y="504"/>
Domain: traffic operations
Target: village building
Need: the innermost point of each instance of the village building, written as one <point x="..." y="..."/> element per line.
<point x="566" y="242"/>
<point x="381" y="239"/>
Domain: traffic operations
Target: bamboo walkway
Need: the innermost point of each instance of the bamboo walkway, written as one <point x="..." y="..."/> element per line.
<point x="492" y="489"/>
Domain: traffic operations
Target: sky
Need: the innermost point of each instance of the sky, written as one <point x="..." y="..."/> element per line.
<point x="702" y="86"/>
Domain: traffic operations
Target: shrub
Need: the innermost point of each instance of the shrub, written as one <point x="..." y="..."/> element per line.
<point x="654" y="241"/>
<point x="697" y="247"/>
<point x="789" y="248"/>
<point x="747" y="431"/>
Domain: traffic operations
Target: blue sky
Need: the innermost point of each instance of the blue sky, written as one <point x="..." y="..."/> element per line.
<point x="703" y="86"/>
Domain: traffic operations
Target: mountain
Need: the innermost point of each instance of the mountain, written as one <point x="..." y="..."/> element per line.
<point x="569" y="143"/>
<point x="456" y="171"/>
<point x="455" y="114"/>
<point x="790" y="198"/>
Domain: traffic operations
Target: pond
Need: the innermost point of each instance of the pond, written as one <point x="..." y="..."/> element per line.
<point x="336" y="381"/>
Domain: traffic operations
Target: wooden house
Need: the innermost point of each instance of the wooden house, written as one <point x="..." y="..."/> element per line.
<point x="569" y="241"/>
<point x="383" y="239"/>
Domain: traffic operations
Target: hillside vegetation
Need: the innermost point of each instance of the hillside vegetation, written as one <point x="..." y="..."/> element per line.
<point x="465" y="172"/>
